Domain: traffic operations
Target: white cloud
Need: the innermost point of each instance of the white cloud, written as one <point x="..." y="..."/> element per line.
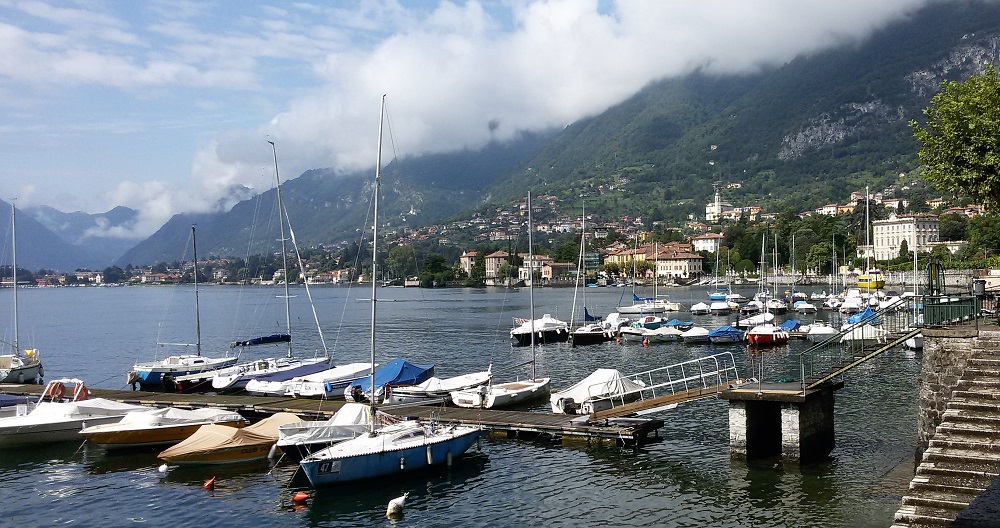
<point x="310" y="75"/>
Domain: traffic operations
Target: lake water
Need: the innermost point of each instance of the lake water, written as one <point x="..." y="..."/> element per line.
<point x="686" y="479"/>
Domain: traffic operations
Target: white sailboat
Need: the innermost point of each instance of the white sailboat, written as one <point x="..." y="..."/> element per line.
<point x="17" y="367"/>
<point x="497" y="395"/>
<point x="392" y="449"/>
<point x="150" y="375"/>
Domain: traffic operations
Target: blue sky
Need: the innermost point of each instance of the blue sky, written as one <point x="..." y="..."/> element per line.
<point x="167" y="106"/>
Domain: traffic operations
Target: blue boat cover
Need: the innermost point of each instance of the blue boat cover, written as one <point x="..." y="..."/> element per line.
<point x="263" y="340"/>
<point x="724" y="331"/>
<point x="636" y="298"/>
<point x="10" y="400"/>
<point x="590" y="318"/>
<point x="396" y="372"/>
<point x="678" y="322"/>
<point x="790" y="325"/>
<point x="867" y="316"/>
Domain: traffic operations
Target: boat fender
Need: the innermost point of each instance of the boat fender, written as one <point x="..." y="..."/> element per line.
<point x="402" y="463"/>
<point x="300" y="496"/>
<point x="20" y="377"/>
<point x="80" y="393"/>
<point x="209" y="484"/>
<point x="430" y="456"/>
<point x="55" y="392"/>
<point x="41" y="372"/>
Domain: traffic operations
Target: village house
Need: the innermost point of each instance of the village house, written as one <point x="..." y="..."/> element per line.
<point x="708" y="242"/>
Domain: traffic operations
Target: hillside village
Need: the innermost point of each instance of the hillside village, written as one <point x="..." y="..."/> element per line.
<point x="629" y="253"/>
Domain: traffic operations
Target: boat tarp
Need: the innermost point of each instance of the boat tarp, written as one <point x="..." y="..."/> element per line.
<point x="725" y="331"/>
<point x="351" y="420"/>
<point x="678" y="322"/>
<point x="438" y="385"/>
<point x="262" y="340"/>
<point x="603" y="382"/>
<point x="868" y="316"/>
<point x="636" y="298"/>
<point x="790" y="325"/>
<point x="214" y="437"/>
<point x="865" y="332"/>
<point x="395" y="372"/>
<point x="175" y="415"/>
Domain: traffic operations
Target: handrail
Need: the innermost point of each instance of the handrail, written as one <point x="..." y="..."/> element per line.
<point x="680" y="377"/>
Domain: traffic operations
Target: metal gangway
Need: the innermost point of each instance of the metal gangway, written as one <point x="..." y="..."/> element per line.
<point x="665" y="387"/>
<point x="886" y="328"/>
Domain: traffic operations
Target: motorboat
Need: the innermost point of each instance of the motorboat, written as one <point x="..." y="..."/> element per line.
<point x="695" y="334"/>
<point x="59" y="415"/>
<point x="700" y="309"/>
<point x="727" y="334"/>
<point x="156" y="427"/>
<point x="663" y="334"/>
<point x="499" y="395"/>
<point x="755" y="320"/>
<point x="820" y="331"/>
<point x="326" y="384"/>
<point x="12" y="404"/>
<point x="405" y="446"/>
<point x="767" y="334"/>
<point x="221" y="444"/>
<point x="720" y="308"/>
<point x="437" y="388"/>
<point x="804" y="307"/>
<point x="547" y="329"/>
<point x="298" y="440"/>
<point x="649" y="305"/>
<point x="599" y="391"/>
<point x="395" y="373"/>
<point x="871" y="279"/>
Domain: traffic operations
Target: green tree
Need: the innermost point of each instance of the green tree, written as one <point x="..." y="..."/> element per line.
<point x="114" y="275"/>
<point x="952" y="227"/>
<point x="961" y="141"/>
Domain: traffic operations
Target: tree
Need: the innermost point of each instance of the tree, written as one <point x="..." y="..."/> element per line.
<point x="952" y="227"/>
<point x="961" y="141"/>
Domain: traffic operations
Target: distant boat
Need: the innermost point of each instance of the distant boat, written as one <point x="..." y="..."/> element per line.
<point x="727" y="334"/>
<point x="700" y="309"/>
<point x="695" y="334"/>
<point x="547" y="329"/>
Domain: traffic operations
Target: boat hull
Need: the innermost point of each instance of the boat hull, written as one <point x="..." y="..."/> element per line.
<point x="231" y="455"/>
<point x="43" y="433"/>
<point x="323" y="472"/>
<point x="541" y="337"/>
<point x="148" y="437"/>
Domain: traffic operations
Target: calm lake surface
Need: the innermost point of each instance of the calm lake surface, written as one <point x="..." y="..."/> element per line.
<point x="686" y="479"/>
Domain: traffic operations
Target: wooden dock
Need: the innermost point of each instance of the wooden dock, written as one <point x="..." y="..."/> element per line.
<point x="620" y="430"/>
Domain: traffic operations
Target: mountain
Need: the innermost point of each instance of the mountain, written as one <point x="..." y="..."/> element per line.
<point x="91" y="234"/>
<point x="792" y="137"/>
<point x="37" y="246"/>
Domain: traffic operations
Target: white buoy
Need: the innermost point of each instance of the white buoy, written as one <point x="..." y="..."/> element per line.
<point x="396" y="505"/>
<point x="162" y="468"/>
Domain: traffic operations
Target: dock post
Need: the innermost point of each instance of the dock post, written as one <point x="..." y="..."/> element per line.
<point x="781" y="422"/>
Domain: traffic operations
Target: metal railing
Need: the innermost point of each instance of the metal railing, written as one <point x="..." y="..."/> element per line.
<point x="709" y="372"/>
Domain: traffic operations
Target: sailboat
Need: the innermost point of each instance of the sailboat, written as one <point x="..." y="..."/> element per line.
<point x="392" y="449"/>
<point x="150" y="375"/>
<point x="768" y="334"/>
<point x="546" y="329"/>
<point x="497" y="395"/>
<point x="14" y="367"/>
<point x="593" y="330"/>
<point x="872" y="278"/>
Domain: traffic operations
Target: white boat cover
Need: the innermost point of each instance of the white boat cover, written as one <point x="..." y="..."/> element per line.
<point x="437" y="386"/>
<point x="169" y="416"/>
<point x="214" y="437"/>
<point x="51" y="412"/>
<point x="313" y="384"/>
<point x="351" y="420"/>
<point x="602" y="383"/>
<point x="865" y="332"/>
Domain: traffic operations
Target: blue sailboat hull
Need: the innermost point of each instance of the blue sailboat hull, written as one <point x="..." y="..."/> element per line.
<point x="383" y="463"/>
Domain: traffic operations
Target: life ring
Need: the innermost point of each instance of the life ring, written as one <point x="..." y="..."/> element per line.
<point x="55" y="392"/>
<point x="81" y="393"/>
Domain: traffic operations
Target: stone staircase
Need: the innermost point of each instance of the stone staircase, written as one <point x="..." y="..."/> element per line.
<point x="963" y="457"/>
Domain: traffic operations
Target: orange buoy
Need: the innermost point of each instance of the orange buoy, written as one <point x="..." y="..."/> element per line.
<point x="300" y="496"/>
<point x="209" y="484"/>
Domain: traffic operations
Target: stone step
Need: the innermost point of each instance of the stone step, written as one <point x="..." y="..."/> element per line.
<point x="977" y="383"/>
<point x="977" y="393"/>
<point x="980" y="416"/>
<point x="972" y="404"/>
<point x="985" y="362"/>
<point x="924" y="516"/>
<point x="958" y="469"/>
<point x="965" y="440"/>
<point x="987" y="461"/>
<point x="938" y="501"/>
<point x="954" y="487"/>
<point x="970" y="430"/>
<point x="980" y="372"/>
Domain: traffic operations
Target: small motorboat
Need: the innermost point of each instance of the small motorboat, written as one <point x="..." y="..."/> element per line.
<point x="59" y="415"/>
<point x="220" y="444"/>
<point x="155" y="427"/>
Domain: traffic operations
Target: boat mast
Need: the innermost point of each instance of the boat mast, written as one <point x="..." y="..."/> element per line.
<point x="284" y="251"/>
<point x="197" y="308"/>
<point x="13" y="250"/>
<point x="580" y="266"/>
<point x="531" y="287"/>
<point x="378" y="168"/>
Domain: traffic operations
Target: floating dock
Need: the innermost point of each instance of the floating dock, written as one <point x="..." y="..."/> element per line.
<point x="620" y="430"/>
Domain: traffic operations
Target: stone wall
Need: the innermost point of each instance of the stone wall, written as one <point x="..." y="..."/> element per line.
<point x="945" y="356"/>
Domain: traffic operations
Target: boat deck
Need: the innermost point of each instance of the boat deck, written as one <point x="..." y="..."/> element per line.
<point x="621" y="430"/>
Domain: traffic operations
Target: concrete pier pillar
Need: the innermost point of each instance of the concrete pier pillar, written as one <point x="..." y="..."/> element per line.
<point x="780" y="421"/>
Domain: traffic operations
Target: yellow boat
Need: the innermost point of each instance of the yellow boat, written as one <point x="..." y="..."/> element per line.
<point x="219" y="444"/>
<point x="158" y="427"/>
<point x="872" y="279"/>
